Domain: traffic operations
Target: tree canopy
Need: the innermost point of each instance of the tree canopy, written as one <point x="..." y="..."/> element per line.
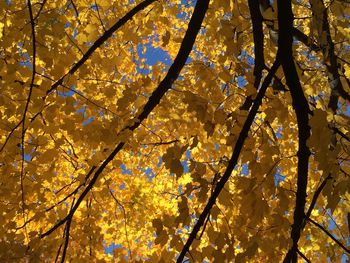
<point x="161" y="131"/>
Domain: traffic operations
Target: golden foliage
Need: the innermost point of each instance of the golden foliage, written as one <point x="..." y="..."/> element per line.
<point x="96" y="166"/>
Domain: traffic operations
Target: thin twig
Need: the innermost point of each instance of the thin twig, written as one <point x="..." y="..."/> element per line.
<point x="101" y="41"/>
<point x="330" y="235"/>
<point x="303" y="256"/>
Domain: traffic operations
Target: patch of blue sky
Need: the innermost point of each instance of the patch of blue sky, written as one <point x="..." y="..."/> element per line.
<point x="347" y="110"/>
<point x="25" y="57"/>
<point x="109" y="249"/>
<point x="125" y="170"/>
<point x="89" y="120"/>
<point x="185" y="161"/>
<point x="332" y="224"/>
<point x="250" y="60"/>
<point x="151" y="55"/>
<point x="202" y="31"/>
<point x="278" y="133"/>
<point x="122" y="186"/>
<point x="182" y="15"/>
<point x="82" y="110"/>
<point x="27" y="157"/>
<point x="148" y="172"/>
<point x="67" y="24"/>
<point x="278" y="177"/>
<point x="149" y="244"/>
<point x="75" y="31"/>
<point x="68" y="93"/>
<point x="26" y="62"/>
<point x="227" y="15"/>
<point x="345" y="259"/>
<point x="241" y="81"/>
<point x="188" y="227"/>
<point x="245" y="55"/>
<point x="180" y="190"/>
<point x="160" y="161"/>
<point x="245" y="169"/>
<point x="187" y="2"/>
<point x="311" y="57"/>
<point x="94" y="7"/>
<point x="199" y="56"/>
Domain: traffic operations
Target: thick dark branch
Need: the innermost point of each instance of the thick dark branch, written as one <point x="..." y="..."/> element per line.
<point x="330" y="235"/>
<point x="258" y="36"/>
<point x="67" y="233"/>
<point x="300" y="36"/>
<point x="233" y="161"/>
<point x="66" y="241"/>
<point x="173" y="73"/>
<point x="301" y="108"/>
<point x="107" y="34"/>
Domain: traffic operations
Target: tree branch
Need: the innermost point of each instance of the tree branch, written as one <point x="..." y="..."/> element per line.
<point x="173" y="73"/>
<point x="301" y="108"/>
<point x="232" y="162"/>
<point x="258" y="36"/>
<point x="107" y="34"/>
<point x="330" y="235"/>
<point x="316" y="195"/>
<point x="320" y="16"/>
<point x="300" y="36"/>
<point x="303" y="256"/>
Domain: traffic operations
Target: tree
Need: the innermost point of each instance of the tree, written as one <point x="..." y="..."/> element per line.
<point x="234" y="146"/>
